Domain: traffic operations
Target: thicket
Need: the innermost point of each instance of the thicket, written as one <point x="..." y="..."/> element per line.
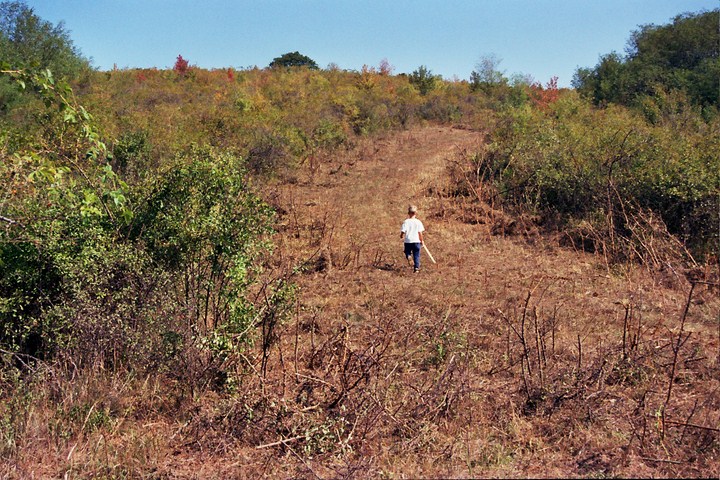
<point x="608" y="178"/>
<point x="135" y="277"/>
<point x="636" y="178"/>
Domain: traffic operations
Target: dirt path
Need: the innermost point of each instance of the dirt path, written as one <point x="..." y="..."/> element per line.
<point x="350" y="215"/>
<point x="372" y="198"/>
<point x="366" y="196"/>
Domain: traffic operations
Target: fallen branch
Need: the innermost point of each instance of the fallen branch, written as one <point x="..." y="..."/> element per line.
<point x="661" y="460"/>
<point x="692" y="425"/>
<point x="282" y="441"/>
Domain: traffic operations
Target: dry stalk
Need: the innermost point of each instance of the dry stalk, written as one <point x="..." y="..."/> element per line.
<point x="579" y="359"/>
<point x="676" y="345"/>
<point x="539" y="347"/>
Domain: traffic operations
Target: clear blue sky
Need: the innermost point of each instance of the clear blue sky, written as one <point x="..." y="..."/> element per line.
<point x="540" y="38"/>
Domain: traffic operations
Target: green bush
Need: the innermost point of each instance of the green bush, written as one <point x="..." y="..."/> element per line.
<point x="127" y="275"/>
<point x="594" y="165"/>
<point x="200" y="221"/>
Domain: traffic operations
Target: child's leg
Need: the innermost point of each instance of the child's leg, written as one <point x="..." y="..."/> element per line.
<point x="416" y="255"/>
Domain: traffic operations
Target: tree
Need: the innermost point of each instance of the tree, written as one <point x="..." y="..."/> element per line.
<point x="423" y="79"/>
<point x="607" y="82"/>
<point x="682" y="55"/>
<point x="181" y="66"/>
<point x="385" y="68"/>
<point x="486" y="74"/>
<point x="294" y="59"/>
<point x="27" y="41"/>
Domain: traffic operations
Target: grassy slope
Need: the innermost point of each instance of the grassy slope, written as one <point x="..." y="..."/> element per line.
<point x="384" y="373"/>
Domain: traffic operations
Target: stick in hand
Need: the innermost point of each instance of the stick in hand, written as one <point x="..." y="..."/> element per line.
<point x="428" y="252"/>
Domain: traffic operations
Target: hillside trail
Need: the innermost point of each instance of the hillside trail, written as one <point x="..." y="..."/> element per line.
<point x="397" y="347"/>
<point x="346" y="219"/>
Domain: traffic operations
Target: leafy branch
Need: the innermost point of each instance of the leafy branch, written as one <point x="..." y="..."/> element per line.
<point x="105" y="192"/>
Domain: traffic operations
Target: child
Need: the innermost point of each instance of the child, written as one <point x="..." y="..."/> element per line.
<point x="412" y="232"/>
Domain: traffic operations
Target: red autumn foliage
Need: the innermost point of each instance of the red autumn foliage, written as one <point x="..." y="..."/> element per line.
<point x="543" y="97"/>
<point x="230" y="74"/>
<point x="181" y="66"/>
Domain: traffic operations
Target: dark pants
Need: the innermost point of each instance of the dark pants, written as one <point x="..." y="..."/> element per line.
<point x="414" y="250"/>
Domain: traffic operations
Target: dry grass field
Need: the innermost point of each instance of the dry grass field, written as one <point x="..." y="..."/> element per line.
<point x="514" y="356"/>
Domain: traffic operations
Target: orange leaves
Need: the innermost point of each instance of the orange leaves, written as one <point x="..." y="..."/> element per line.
<point x="543" y="97"/>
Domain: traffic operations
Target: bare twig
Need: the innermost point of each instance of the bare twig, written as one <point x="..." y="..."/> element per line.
<point x="282" y="441"/>
<point x="692" y="425"/>
<point x="677" y="345"/>
<point x="11" y="221"/>
<point x="662" y="460"/>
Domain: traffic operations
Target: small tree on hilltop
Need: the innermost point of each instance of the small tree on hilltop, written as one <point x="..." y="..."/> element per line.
<point x="181" y="66"/>
<point x="486" y="74"/>
<point x="294" y="59"/>
<point x="385" y="68"/>
<point x="423" y="79"/>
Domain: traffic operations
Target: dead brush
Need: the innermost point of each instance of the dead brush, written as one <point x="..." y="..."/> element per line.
<point x="629" y="233"/>
<point x="86" y="422"/>
<point x="537" y="335"/>
<point x="470" y="196"/>
<point x="635" y="376"/>
<point x="674" y="432"/>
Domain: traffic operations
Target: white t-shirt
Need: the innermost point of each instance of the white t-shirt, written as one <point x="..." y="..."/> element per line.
<point x="412" y="227"/>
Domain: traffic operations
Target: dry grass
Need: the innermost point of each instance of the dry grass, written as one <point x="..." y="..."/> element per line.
<point x="509" y="358"/>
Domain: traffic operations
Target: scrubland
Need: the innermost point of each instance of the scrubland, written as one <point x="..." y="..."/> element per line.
<point x="202" y="276"/>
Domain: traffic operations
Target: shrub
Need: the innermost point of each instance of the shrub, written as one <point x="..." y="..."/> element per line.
<point x="607" y="167"/>
<point x="201" y="222"/>
<point x="83" y="273"/>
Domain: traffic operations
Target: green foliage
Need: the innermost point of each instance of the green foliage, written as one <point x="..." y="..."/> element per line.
<point x="424" y="80"/>
<point x="87" y="271"/>
<point x="201" y="222"/>
<point x="328" y="135"/>
<point x="293" y="59"/>
<point x="607" y="167"/>
<point x="27" y="41"/>
<point x="131" y="153"/>
<point x="62" y="205"/>
<point x="682" y="55"/>
<point x="29" y="284"/>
